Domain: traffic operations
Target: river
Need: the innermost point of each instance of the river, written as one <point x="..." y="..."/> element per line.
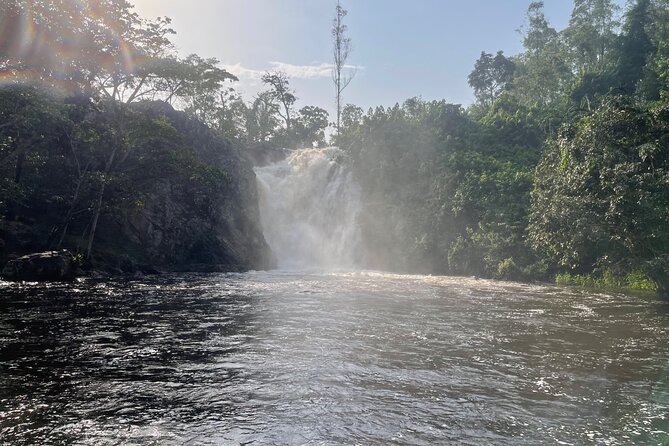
<point x="327" y="359"/>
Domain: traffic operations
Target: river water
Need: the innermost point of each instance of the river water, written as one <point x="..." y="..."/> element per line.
<point x="327" y="359"/>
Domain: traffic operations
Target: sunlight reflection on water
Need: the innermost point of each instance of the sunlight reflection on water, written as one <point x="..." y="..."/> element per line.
<point x="330" y="358"/>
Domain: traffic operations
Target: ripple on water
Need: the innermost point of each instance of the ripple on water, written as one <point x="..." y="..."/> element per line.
<point x="330" y="358"/>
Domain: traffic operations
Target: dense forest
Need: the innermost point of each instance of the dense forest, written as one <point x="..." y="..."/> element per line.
<point x="558" y="170"/>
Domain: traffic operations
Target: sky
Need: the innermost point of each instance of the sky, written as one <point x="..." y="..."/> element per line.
<point x="401" y="49"/>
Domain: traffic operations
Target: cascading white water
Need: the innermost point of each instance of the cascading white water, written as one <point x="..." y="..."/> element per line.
<point x="308" y="205"/>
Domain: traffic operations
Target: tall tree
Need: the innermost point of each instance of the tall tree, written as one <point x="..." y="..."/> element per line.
<point x="341" y="50"/>
<point x="539" y="32"/>
<point x="310" y="126"/>
<point x="543" y="71"/>
<point x="490" y="76"/>
<point x="635" y="47"/>
<point x="283" y="96"/>
<point x="591" y="33"/>
<point x="261" y="120"/>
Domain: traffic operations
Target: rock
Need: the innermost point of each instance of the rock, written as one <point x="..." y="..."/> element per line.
<point x="41" y="267"/>
<point x="97" y="275"/>
<point x="148" y="270"/>
<point x="172" y="230"/>
<point x="127" y="265"/>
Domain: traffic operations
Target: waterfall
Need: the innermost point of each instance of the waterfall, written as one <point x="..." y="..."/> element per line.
<point x="308" y="205"/>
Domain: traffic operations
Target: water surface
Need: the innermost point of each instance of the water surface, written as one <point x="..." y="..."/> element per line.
<point x="326" y="359"/>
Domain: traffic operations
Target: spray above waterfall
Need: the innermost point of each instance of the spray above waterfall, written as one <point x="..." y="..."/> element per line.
<point x="309" y="205"/>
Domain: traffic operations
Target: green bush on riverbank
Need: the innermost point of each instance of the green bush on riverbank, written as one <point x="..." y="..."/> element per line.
<point x="635" y="280"/>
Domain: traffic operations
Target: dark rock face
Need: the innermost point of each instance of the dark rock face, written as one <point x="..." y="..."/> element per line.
<point x="43" y="266"/>
<point x="167" y="233"/>
<point x="179" y="198"/>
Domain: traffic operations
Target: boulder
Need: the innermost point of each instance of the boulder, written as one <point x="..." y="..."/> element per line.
<point x="41" y="267"/>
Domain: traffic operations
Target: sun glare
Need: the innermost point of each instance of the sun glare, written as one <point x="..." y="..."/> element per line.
<point x="39" y="45"/>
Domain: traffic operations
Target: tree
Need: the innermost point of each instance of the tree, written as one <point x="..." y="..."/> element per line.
<point x="635" y="48"/>
<point x="539" y="33"/>
<point x="310" y="126"/>
<point x="351" y="116"/>
<point x="49" y="42"/>
<point x="193" y="81"/>
<point x="542" y="72"/>
<point x="591" y="34"/>
<point x="282" y="95"/>
<point x="601" y="196"/>
<point x="341" y="50"/>
<point x="490" y="76"/>
<point x="261" y="119"/>
<point x="230" y="115"/>
<point x="31" y="122"/>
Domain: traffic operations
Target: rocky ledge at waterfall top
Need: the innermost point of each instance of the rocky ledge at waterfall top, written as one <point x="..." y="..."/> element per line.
<point x="173" y="228"/>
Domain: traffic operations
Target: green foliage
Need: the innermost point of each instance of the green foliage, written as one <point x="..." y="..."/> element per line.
<point x="309" y="128"/>
<point x="635" y="50"/>
<point x="55" y="161"/>
<point x="561" y="168"/>
<point x="280" y="94"/>
<point x="605" y="179"/>
<point x="635" y="280"/>
<point x="539" y="33"/>
<point x="490" y="76"/>
<point x="544" y="69"/>
<point x="446" y="193"/>
<point x="591" y="34"/>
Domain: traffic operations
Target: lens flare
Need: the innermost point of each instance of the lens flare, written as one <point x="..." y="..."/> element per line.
<point x="44" y="40"/>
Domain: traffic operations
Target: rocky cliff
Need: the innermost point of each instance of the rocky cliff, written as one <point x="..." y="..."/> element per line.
<point x="177" y="197"/>
<point x="177" y="229"/>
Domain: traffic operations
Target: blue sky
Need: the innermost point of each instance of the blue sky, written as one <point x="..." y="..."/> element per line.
<point x="402" y="48"/>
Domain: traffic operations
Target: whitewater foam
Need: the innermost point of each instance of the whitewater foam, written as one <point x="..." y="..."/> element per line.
<point x="309" y="204"/>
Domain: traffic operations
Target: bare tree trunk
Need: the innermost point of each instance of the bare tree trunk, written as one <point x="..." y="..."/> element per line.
<point x="75" y="196"/>
<point x="18" y="172"/>
<point x="98" y="203"/>
<point x="288" y="121"/>
<point x="94" y="223"/>
<point x="120" y="128"/>
<point x="341" y="50"/>
<point x="70" y="212"/>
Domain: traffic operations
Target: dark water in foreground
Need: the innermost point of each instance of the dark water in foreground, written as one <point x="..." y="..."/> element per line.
<point x="364" y="358"/>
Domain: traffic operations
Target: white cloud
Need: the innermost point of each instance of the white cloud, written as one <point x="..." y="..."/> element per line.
<point x="303" y="71"/>
<point x="314" y="71"/>
<point x="243" y="72"/>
